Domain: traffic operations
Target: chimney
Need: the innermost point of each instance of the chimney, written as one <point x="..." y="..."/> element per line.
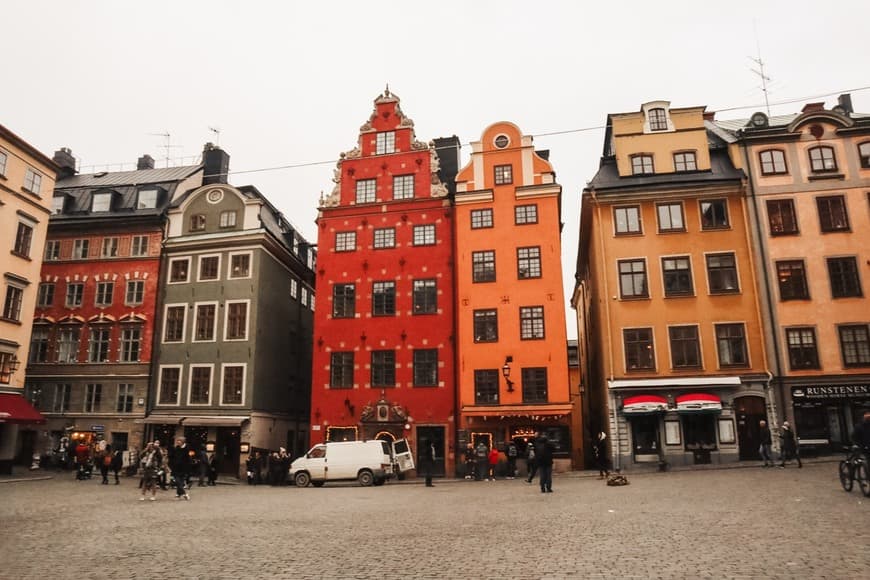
<point x="709" y="116"/>
<point x="145" y="162"/>
<point x="215" y="163"/>
<point x="812" y="107"/>
<point x="543" y="154"/>
<point x="845" y="102"/>
<point x="447" y="150"/>
<point x="67" y="162"/>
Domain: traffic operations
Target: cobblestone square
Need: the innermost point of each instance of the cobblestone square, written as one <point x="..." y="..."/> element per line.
<point x="738" y="523"/>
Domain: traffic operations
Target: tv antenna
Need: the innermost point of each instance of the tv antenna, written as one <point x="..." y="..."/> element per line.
<point x="168" y="146"/>
<point x="217" y="132"/>
<point x="760" y="71"/>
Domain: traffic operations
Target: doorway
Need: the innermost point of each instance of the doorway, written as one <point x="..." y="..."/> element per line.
<point x="227" y="450"/>
<point x="750" y="412"/>
<point x="645" y="438"/>
<point x="435" y="436"/>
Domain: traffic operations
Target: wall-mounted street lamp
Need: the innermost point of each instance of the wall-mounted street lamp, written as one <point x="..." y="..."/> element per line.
<point x="506" y="372"/>
<point x="8" y="366"/>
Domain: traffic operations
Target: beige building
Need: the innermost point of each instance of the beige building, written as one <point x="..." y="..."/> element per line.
<point x="26" y="183"/>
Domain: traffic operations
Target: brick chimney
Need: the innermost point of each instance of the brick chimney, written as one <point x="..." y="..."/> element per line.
<point x="709" y="116"/>
<point x="845" y="102"/>
<point x="67" y="162"/>
<point x="215" y="163"/>
<point x="145" y="162"/>
<point x="812" y="107"/>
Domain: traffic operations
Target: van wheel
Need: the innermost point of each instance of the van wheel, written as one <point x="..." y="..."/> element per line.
<point x="302" y="479"/>
<point x="365" y="478"/>
<point x="317" y="483"/>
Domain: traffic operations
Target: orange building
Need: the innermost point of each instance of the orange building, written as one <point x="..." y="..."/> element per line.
<point x="511" y="337"/>
<point x="666" y="294"/>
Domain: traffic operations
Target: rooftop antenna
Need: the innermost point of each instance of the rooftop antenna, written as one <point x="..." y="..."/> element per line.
<point x="217" y="132"/>
<point x="167" y="145"/>
<point x="760" y="71"/>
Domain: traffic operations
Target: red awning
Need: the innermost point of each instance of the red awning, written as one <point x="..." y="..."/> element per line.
<point x="15" y="409"/>
<point x="699" y="403"/>
<point x="643" y="404"/>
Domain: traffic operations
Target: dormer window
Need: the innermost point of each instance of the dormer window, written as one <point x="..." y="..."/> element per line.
<point x="102" y="202"/>
<point x="385" y="143"/>
<point x="658" y="119"/>
<point x="147" y="199"/>
<point x="864" y="154"/>
<point x="685" y="161"/>
<point x="57" y="203"/>
<point x="642" y="164"/>
<point x="822" y="159"/>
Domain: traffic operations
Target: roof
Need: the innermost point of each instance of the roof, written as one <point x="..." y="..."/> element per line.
<point x="721" y="169"/>
<point x="135" y="177"/>
<point x="28" y="148"/>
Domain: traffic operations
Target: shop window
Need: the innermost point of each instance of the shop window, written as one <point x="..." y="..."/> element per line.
<point x="699" y="431"/>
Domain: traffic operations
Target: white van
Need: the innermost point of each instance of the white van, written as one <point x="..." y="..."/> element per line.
<point x="368" y="462"/>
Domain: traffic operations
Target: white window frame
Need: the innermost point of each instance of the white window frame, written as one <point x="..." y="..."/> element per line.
<point x="105" y="202"/>
<point x="52" y="251"/>
<point x="57" y="203"/>
<point x="136" y="249"/>
<point x="424" y="229"/>
<point x="244" y="383"/>
<point x="150" y="191"/>
<point x="230" y="275"/>
<point x="400" y="186"/>
<point x="196" y="306"/>
<point x="384" y="244"/>
<point x="363" y="193"/>
<point x="79" y="245"/>
<point x="102" y="284"/>
<point x="177" y="402"/>
<point x="294" y="288"/>
<point x="227" y="223"/>
<point x="303" y="296"/>
<point x="209" y="366"/>
<point x="121" y="342"/>
<point x="32" y="181"/>
<point x="385" y="142"/>
<point x="4" y="157"/>
<point x="169" y="270"/>
<point x="127" y="300"/>
<point x="111" y="244"/>
<point x="342" y="239"/>
<point x="247" y="303"/>
<point x="129" y="390"/>
<point x="184" y="307"/>
<point x="199" y="260"/>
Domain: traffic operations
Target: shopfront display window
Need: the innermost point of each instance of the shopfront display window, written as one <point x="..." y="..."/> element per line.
<point x="700" y="431"/>
<point x="645" y="437"/>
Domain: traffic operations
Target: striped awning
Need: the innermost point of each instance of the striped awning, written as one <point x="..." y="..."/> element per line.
<point x="644" y="404"/>
<point x="699" y="403"/>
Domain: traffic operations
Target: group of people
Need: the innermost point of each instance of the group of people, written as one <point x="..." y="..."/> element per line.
<point x="482" y="461"/>
<point x="180" y="463"/>
<point x="788" y="448"/>
<point x="264" y="467"/>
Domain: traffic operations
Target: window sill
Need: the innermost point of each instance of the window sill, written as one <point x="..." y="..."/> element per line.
<point x="822" y="177"/>
<point x="687" y="295"/>
<point x="673" y="231"/>
<point x="22" y="256"/>
<point x="10" y="320"/>
<point x="837" y="231"/>
<point x="724" y="292"/>
<point x="716" y="228"/>
<point x="32" y="193"/>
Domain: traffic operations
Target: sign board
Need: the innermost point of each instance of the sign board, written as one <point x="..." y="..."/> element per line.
<point x="831" y="392"/>
<point x="98" y="427"/>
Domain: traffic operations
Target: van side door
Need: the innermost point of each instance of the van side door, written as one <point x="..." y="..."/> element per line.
<point x="404" y="456"/>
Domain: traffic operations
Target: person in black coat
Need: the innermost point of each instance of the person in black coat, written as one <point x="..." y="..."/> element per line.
<point x="544" y="456"/>
<point x="117" y="464"/>
<point x="213" y="469"/>
<point x="599" y="449"/>
<point x="766" y="442"/>
<point x="788" y="444"/>
<point x="181" y="462"/>
<point x="427" y="460"/>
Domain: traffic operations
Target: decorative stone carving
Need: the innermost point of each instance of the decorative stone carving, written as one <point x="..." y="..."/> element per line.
<point x="368" y="412"/>
<point x="367" y="126"/>
<point x="352" y="154"/>
<point x="438" y="190"/>
<point x="418" y="145"/>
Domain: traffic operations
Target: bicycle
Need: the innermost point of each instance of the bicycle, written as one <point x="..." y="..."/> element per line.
<point x="855" y="467"/>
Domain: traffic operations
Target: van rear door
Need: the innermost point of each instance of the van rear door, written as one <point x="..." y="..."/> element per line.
<point x="403" y="455"/>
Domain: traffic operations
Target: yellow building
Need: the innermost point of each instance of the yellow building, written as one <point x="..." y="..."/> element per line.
<point x="26" y="185"/>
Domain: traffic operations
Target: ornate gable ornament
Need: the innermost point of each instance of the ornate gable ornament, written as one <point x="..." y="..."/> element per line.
<point x="383" y="412"/>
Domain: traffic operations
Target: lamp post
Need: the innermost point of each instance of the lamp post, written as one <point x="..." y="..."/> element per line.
<point x="506" y="372"/>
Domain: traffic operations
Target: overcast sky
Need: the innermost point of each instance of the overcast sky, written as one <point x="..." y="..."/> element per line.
<point x="289" y="83"/>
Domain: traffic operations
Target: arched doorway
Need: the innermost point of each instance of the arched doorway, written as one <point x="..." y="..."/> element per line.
<point x="750" y="411"/>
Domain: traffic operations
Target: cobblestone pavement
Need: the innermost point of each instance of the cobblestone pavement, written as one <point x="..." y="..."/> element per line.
<point x="746" y="523"/>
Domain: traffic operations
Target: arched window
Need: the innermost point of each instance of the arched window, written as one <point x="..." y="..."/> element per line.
<point x="822" y="159"/>
<point x="772" y="162"/>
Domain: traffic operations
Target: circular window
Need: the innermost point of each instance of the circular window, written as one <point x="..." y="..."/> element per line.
<point x="214" y="196"/>
<point x="502" y="141"/>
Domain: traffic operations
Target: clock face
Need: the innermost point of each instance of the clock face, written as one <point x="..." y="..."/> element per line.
<point x="215" y="195"/>
<point x="501" y="141"/>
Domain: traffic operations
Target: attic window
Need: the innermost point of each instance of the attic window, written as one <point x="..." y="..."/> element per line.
<point x="57" y="203"/>
<point x="102" y="202"/>
<point x="658" y="120"/>
<point x="147" y="199"/>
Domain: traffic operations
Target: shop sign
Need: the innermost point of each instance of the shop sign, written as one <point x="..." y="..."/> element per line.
<point x="98" y="427"/>
<point x="832" y="392"/>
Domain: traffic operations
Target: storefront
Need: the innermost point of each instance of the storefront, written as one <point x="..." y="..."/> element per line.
<point x="825" y="415"/>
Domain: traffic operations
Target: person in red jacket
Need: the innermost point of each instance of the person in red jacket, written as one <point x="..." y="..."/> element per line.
<point x="493" y="461"/>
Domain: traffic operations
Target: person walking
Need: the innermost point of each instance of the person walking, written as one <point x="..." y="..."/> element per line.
<point x="766" y="442"/>
<point x="599" y="450"/>
<point x="427" y="459"/>
<point x="544" y="456"/>
<point x="470" y="462"/>
<point x="151" y="462"/>
<point x="180" y="463"/>
<point x="531" y="460"/>
<point x="213" y="469"/>
<point x="481" y="453"/>
<point x="493" y="462"/>
<point x="202" y="466"/>
<point x="104" y="460"/>
<point x="117" y="464"/>
<point x="788" y="445"/>
<point x="511" y="453"/>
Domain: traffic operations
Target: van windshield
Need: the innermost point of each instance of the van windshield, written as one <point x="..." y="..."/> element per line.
<point x="316" y="452"/>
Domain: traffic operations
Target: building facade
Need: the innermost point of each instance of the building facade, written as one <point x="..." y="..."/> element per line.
<point x="26" y="181"/>
<point x="666" y="293"/>
<point x="383" y="363"/>
<point x="511" y="338"/>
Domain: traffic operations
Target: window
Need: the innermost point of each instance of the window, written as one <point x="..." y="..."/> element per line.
<point x="384" y="298"/>
<point x="209" y="267"/>
<point x="792" y="280"/>
<point x="731" y="343"/>
<point x="365" y="190"/>
<point x="855" y="345"/>
<point x="204" y="323"/>
<point x="526" y="214"/>
<point x="486" y="325"/>
<point x="528" y="263"/>
<point x="227" y="219"/>
<point x="426" y="367"/>
<point x="93" y="397"/>
<point x="98" y="345"/>
<point x="105" y="292"/>
<point x="174" y="323"/>
<point x="843" y="273"/>
<point x="383" y="368"/>
<point x="109" y="248"/>
<point x="403" y="187"/>
<point x="39" y="345"/>
<point x="685" y="347"/>
<point x="504" y="174"/>
<point x="632" y="279"/>
<point x="345" y="241"/>
<point x="32" y="181"/>
<point x="23" y="238"/>
<point x="685" y="161"/>
<point x="60" y="402"/>
<point x="197" y="222"/>
<point x="781" y="217"/>
<point x="425" y="299"/>
<point x="531" y="322"/>
<point x="68" y="345"/>
<point x="627" y="219"/>
<point x="12" y="304"/>
<point x="863" y="154"/>
<point x="131" y="344"/>
<point x="481" y="218"/>
<point x="822" y="159"/>
<point x="343" y="301"/>
<point x="639" y="353"/>
<point x="802" y="353"/>
<point x="772" y="162"/>
<point x="722" y="273"/>
<point x="486" y="387"/>
<point x="57" y="204"/>
<point x="125" y="398"/>
<point x="147" y="199"/>
<point x="385" y="238"/>
<point x="483" y="266"/>
<point x="303" y="298"/>
<point x="642" y="164"/>
<point x="74" y="294"/>
<point x="52" y="250"/>
<point x="424" y="235"/>
<point x="169" y="386"/>
<point x="179" y="270"/>
<point x="240" y="265"/>
<point x="3" y="159"/>
<point x="80" y="249"/>
<point x="658" y="119"/>
<point x="341" y="370"/>
<point x="534" y="385"/>
<point x="671" y="217"/>
<point x="832" y="213"/>
<point x="200" y="385"/>
<point x="45" y="297"/>
<point x="237" y="321"/>
<point x="677" y="274"/>
<point x="101" y="202"/>
<point x="294" y="288"/>
<point x="233" y="385"/>
<point x="385" y="143"/>
<point x="135" y="292"/>
<point x="139" y="246"/>
<point x="714" y="214"/>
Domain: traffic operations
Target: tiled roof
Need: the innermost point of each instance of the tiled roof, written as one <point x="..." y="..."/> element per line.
<point x="137" y="177"/>
<point x="721" y="169"/>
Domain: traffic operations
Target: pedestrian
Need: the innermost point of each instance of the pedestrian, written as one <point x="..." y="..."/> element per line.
<point x="470" y="462"/>
<point x="511" y="453"/>
<point x="481" y="454"/>
<point x="250" y="466"/>
<point x="117" y="464"/>
<point x="427" y="459"/>
<point x="202" y="464"/>
<point x="766" y="442"/>
<point x="861" y="433"/>
<point x="284" y="458"/>
<point x="788" y="445"/>
<point x="493" y="462"/>
<point x="599" y="450"/>
<point x="213" y="469"/>
<point x="83" y="460"/>
<point x="151" y="461"/>
<point x="180" y="463"/>
<point x="531" y="461"/>
<point x="544" y="457"/>
<point x="104" y="460"/>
